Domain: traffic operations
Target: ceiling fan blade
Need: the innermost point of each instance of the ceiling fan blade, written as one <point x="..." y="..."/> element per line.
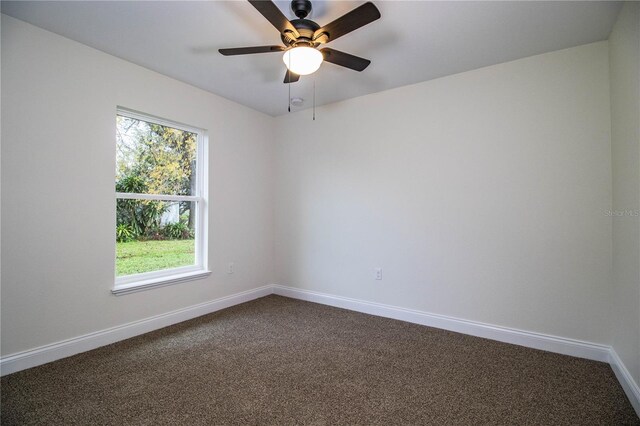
<point x="269" y="10"/>
<point x="249" y="50"/>
<point x="344" y="59"/>
<point x="358" y="17"/>
<point x="290" y="77"/>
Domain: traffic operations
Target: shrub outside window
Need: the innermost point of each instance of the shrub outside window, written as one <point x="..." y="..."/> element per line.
<point x="160" y="204"/>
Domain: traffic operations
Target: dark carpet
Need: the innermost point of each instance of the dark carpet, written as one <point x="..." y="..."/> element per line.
<point x="282" y="361"/>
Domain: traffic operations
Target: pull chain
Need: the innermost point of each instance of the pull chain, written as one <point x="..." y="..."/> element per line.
<point x="289" y="83"/>
<point x="289" y="76"/>
<point x="314" y="98"/>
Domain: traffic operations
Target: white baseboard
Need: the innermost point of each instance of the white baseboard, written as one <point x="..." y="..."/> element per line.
<point x="529" y="339"/>
<point x="48" y="353"/>
<point x="44" y="354"/>
<point x="629" y="385"/>
<point x="561" y="345"/>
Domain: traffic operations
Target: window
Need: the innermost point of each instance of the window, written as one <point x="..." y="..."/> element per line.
<point x="160" y="202"/>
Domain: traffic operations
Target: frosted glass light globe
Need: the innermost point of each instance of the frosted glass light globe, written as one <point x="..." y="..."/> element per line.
<point x="302" y="60"/>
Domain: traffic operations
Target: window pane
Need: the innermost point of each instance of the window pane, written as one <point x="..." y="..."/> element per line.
<point x="154" y="159"/>
<point x="154" y="235"/>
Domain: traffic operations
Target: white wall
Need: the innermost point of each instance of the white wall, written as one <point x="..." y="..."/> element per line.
<point x="58" y="163"/>
<point x="482" y="196"/>
<point x="624" y="48"/>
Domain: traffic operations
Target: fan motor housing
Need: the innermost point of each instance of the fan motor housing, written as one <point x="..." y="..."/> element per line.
<point x="305" y="27"/>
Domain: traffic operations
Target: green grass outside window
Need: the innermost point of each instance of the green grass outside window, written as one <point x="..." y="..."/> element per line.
<point x="136" y="257"/>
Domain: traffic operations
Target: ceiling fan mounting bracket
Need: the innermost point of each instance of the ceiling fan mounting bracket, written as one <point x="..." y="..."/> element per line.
<point x="301" y="8"/>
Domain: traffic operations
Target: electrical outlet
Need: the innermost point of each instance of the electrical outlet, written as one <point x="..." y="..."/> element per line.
<point x="378" y="273"/>
<point x="230" y="268"/>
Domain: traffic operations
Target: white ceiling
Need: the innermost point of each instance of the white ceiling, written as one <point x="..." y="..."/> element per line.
<point x="413" y="41"/>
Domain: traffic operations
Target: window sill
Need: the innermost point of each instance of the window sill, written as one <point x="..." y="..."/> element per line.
<point x="133" y="287"/>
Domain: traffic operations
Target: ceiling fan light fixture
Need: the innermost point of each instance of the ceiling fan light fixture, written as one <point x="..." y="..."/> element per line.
<point x="302" y="60"/>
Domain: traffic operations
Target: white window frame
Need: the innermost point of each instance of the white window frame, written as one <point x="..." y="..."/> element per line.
<point x="137" y="282"/>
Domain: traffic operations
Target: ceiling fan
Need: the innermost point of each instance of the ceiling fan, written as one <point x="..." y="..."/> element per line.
<point x="302" y="37"/>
